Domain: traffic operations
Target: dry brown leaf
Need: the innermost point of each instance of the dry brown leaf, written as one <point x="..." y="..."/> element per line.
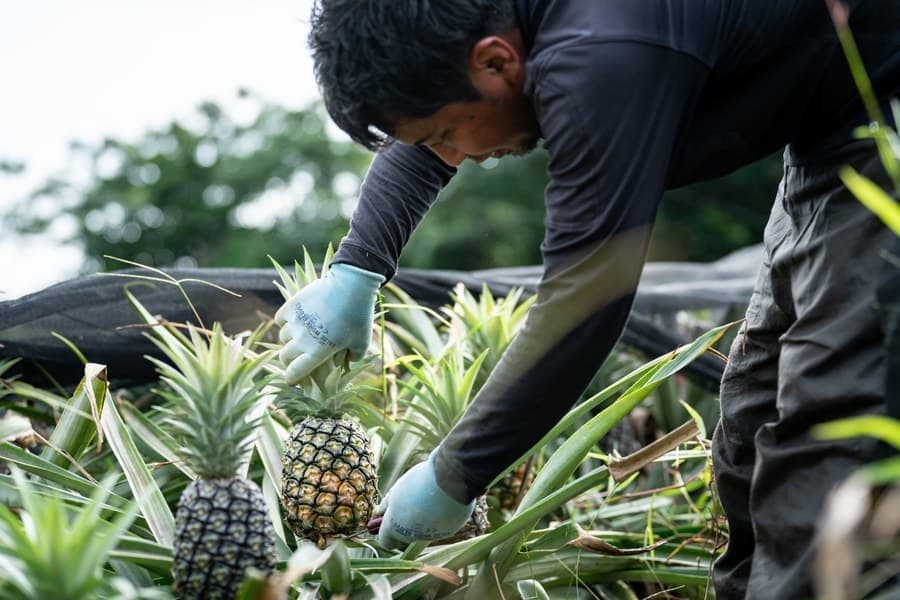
<point x="441" y="573"/>
<point x="595" y="545"/>
<point x="620" y="469"/>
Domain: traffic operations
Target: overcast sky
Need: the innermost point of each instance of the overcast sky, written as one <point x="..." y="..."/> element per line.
<point x="87" y="69"/>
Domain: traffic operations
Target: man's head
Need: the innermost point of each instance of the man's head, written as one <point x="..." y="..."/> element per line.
<point x="444" y="73"/>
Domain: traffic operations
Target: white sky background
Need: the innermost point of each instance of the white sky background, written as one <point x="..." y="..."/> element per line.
<point x="88" y="69"/>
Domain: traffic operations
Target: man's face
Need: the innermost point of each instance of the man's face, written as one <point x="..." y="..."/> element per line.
<point x="501" y="122"/>
<point x="489" y="127"/>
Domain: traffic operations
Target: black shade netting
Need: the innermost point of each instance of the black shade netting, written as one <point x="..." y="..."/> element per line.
<point x="92" y="312"/>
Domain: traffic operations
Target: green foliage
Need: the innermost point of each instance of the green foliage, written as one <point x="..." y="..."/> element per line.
<point x="77" y="424"/>
<point x="439" y="393"/>
<point x="885" y="429"/>
<point x="486" y="325"/>
<point x="874" y="197"/>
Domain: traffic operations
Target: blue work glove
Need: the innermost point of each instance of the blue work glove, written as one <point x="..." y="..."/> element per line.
<point x="415" y="508"/>
<point x="327" y="316"/>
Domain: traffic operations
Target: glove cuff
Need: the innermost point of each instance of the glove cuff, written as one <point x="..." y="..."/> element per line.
<point x="357" y="276"/>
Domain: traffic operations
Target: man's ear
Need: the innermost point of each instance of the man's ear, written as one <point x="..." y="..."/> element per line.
<point x="494" y="62"/>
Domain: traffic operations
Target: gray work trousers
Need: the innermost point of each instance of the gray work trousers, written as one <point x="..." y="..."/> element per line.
<point x="810" y="351"/>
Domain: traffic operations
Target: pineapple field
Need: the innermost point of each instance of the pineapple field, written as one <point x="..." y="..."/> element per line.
<point x="220" y="481"/>
<point x="217" y="480"/>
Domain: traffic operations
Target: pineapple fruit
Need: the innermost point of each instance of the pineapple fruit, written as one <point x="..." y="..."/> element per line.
<point x="510" y="490"/>
<point x="222" y="527"/>
<point x="328" y="482"/>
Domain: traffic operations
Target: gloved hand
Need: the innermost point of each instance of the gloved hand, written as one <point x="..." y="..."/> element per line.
<point x="415" y="508"/>
<point x="327" y="316"/>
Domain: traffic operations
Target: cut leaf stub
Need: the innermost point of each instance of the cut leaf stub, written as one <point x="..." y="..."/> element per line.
<point x="374" y="525"/>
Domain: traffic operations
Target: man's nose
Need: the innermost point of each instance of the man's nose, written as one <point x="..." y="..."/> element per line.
<point x="449" y="155"/>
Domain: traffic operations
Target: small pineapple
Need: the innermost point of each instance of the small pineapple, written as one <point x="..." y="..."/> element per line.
<point x="222" y="527"/>
<point x="478" y="523"/>
<point x="510" y="490"/>
<point x="328" y="481"/>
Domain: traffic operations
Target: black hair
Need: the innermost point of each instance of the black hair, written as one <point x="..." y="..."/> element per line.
<point x="379" y="62"/>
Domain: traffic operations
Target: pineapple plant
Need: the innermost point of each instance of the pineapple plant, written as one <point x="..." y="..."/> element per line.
<point x="439" y="392"/>
<point x="488" y="325"/>
<point x="328" y="482"/>
<point x="440" y="387"/>
<point x="222" y="527"/>
<point x="51" y="547"/>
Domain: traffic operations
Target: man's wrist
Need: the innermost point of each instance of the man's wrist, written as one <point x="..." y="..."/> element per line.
<point x="374" y="280"/>
<point x="365" y="259"/>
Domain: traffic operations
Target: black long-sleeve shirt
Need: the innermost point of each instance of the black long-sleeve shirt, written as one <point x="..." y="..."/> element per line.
<point x="633" y="97"/>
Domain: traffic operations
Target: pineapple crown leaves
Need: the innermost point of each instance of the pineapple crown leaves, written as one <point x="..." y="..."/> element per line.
<point x="212" y="386"/>
<point x="439" y="392"/>
<point x="488" y="323"/>
<point x="303" y="275"/>
<point x="53" y="550"/>
<point x="328" y="391"/>
<point x="417" y="327"/>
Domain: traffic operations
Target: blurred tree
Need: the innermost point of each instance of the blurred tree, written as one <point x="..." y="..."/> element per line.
<point x="214" y="194"/>
<point x="707" y="220"/>
<point x="492" y="215"/>
<point x="217" y="193"/>
<point x="11" y="167"/>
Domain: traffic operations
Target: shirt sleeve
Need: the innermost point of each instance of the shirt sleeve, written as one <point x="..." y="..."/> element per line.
<point x="401" y="185"/>
<point x="611" y="114"/>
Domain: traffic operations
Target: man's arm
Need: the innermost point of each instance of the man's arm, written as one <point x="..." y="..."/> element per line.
<point x="611" y="114"/>
<point x="399" y="188"/>
<point x="336" y="312"/>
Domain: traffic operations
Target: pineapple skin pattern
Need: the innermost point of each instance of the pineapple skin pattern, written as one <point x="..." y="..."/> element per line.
<point x="222" y="528"/>
<point x="329" y="483"/>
